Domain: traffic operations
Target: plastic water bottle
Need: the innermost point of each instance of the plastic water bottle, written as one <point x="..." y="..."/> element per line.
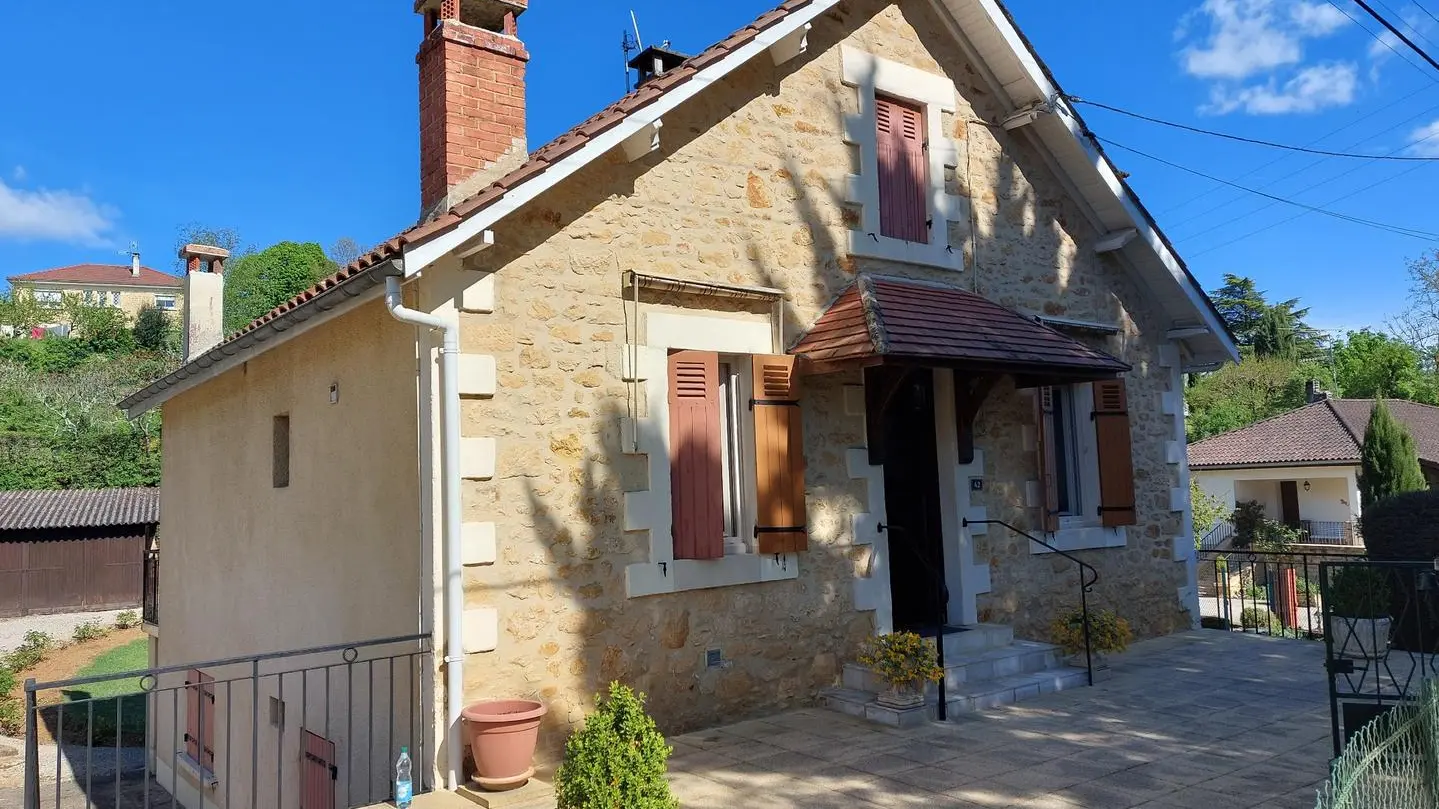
<point x="404" y="790"/>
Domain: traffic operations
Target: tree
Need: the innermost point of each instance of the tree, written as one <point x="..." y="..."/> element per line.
<point x="1238" y="395"/>
<point x="102" y="329"/>
<point x="1205" y="510"/>
<point x="1241" y="305"/>
<point x="258" y="282"/>
<point x="344" y="251"/>
<point x="1274" y="334"/>
<point x="1373" y="365"/>
<point x="199" y="233"/>
<point x="1388" y="461"/>
<point x="152" y="329"/>
<point x="19" y="311"/>
<point x="1418" y="325"/>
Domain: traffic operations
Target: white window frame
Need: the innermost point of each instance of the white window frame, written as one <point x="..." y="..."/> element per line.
<point x="165" y="302"/>
<point x="1080" y="528"/>
<point x="49" y="297"/>
<point x="652" y="509"/>
<point x="934" y="94"/>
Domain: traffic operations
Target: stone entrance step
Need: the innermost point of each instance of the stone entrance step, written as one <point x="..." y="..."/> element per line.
<point x="984" y="668"/>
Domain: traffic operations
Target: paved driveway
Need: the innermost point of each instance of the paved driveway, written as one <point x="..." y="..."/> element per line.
<point x="1200" y="720"/>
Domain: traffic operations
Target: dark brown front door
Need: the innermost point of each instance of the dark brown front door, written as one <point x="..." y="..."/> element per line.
<point x="911" y="500"/>
<point x="1289" y="502"/>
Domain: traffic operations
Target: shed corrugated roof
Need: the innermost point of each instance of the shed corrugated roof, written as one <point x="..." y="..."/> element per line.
<point x="892" y="319"/>
<point x="78" y="508"/>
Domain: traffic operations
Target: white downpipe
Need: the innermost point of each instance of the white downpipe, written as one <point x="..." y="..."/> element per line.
<point x="450" y="526"/>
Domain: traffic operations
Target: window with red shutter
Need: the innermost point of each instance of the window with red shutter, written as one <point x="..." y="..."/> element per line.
<point x="903" y="172"/>
<point x="696" y="462"/>
<point x="200" y="718"/>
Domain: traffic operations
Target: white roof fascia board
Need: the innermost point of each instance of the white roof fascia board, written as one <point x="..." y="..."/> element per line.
<point x="1066" y="116"/>
<point x="420" y="256"/>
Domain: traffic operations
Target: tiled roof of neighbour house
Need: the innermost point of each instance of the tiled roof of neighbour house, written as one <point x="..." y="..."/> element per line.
<point x="887" y="318"/>
<point x="114" y="275"/>
<point x="78" y="508"/>
<point x="1328" y="431"/>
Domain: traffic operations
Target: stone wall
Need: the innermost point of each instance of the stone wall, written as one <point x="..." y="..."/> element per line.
<point x="744" y="190"/>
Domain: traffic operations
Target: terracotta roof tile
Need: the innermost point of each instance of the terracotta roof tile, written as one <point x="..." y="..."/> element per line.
<point x="1328" y="431"/>
<point x="78" y="508"/>
<point x="897" y="319"/>
<point x="117" y="275"/>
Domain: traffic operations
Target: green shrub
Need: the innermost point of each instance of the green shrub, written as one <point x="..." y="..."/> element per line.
<point x="1214" y="622"/>
<point x="35" y="647"/>
<point x="616" y="760"/>
<point x="12" y="716"/>
<point x="90" y="630"/>
<point x="1308" y="592"/>
<point x="129" y="619"/>
<point x="1360" y="592"/>
<point x="1402" y="527"/>
<point x="1254" y="617"/>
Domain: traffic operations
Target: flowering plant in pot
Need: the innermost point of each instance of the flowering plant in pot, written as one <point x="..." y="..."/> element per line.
<point x="905" y="661"/>
<point x="1359" y="610"/>
<point x="502" y="735"/>
<point x="1108" y="633"/>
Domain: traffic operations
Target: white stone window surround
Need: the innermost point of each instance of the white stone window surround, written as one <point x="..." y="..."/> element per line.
<point x="934" y="94"/>
<point x="1082" y="531"/>
<point x="651" y="509"/>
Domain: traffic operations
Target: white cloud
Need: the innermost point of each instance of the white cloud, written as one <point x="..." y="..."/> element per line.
<point x="61" y="216"/>
<point x="1244" y="38"/>
<point x="19" y="174"/>
<point x="1311" y="89"/>
<point x="1424" y="141"/>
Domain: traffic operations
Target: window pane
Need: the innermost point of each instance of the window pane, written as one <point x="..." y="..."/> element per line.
<point x="1062" y="455"/>
<point x="729" y="447"/>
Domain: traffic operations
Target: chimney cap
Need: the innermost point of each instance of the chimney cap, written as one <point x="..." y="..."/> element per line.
<point x="656" y="60"/>
<point x="487" y="14"/>
<point x="203" y="251"/>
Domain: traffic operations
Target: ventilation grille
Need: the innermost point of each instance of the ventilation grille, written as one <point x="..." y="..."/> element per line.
<point x="689" y="380"/>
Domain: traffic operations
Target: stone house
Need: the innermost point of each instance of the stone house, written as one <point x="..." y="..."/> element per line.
<point x="703" y="392"/>
<point x="127" y="287"/>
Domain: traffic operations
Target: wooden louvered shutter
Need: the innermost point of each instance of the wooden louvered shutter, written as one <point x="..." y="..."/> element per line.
<point x="779" y="456"/>
<point x="899" y="142"/>
<point x="192" y="714"/>
<point x="696" y="463"/>
<point x="1047" y="458"/>
<point x="1116" y="458"/>
<point x="207" y="722"/>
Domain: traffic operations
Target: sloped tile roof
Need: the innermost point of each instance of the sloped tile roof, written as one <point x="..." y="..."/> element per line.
<point x="1328" y="431"/>
<point x="900" y="319"/>
<point x="78" y="508"/>
<point x="114" y="275"/>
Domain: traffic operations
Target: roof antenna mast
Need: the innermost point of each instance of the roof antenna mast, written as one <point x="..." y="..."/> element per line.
<point x="629" y="46"/>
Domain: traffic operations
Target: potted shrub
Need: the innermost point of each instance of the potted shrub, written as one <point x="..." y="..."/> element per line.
<point x="502" y="735"/>
<point x="1108" y="633"/>
<point x="616" y="760"/>
<point x="1359" y="608"/>
<point x="906" y="662"/>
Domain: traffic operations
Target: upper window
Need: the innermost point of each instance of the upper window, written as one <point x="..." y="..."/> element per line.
<point x="903" y="173"/>
<point x="49" y="297"/>
<point x="736" y="459"/>
<point x="114" y="299"/>
<point x="165" y="301"/>
<point x="89" y="296"/>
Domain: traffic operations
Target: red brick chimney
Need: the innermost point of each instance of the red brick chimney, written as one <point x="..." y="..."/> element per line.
<point x="472" y="97"/>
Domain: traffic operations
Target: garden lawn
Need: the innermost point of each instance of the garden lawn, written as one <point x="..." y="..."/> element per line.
<point x="133" y="656"/>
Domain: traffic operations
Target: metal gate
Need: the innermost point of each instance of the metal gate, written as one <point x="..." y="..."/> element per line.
<point x="1381" y="638"/>
<point x="70" y="574"/>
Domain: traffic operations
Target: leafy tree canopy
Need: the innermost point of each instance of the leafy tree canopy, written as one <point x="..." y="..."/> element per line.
<point x="1373" y="365"/>
<point x="1238" y="395"/>
<point x="255" y="283"/>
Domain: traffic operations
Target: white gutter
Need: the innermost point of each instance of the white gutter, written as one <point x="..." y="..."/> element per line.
<point x="450" y="526"/>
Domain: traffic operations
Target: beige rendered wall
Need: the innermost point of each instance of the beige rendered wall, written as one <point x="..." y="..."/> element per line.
<point x="131" y="300"/>
<point x="742" y="192"/>
<point x="335" y="557"/>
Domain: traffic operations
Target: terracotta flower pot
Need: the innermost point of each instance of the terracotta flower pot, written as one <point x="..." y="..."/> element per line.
<point x="502" y="735"/>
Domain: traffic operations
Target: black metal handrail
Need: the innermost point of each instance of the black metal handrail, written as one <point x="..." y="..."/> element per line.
<point x="1088" y="577"/>
<point x="150" y="587"/>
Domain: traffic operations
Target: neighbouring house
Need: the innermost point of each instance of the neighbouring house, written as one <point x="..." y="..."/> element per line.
<point x="696" y="396"/>
<point x="70" y="550"/>
<point x="128" y="287"/>
<point x="1303" y="466"/>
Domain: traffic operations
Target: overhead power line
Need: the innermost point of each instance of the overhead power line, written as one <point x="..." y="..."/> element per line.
<point x="1254" y="141"/>
<point x="1426" y="11"/>
<point x="1396" y="32"/>
<point x="1378" y="38"/>
<point x="1396" y="229"/>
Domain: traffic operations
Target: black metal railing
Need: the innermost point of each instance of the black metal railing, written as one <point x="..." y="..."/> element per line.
<point x="273" y="730"/>
<point x="150" y="588"/>
<point x="1216" y="536"/>
<point x="1263" y="592"/>
<point x="1088" y="577"/>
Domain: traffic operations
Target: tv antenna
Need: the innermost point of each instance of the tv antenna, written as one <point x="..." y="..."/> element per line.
<point x="629" y="46"/>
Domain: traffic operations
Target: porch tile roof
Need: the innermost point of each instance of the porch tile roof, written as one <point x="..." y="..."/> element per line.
<point x="78" y="508"/>
<point x="879" y="318"/>
<point x="1328" y="431"/>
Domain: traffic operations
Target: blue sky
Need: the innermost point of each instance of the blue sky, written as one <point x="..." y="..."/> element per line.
<point x="293" y="125"/>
